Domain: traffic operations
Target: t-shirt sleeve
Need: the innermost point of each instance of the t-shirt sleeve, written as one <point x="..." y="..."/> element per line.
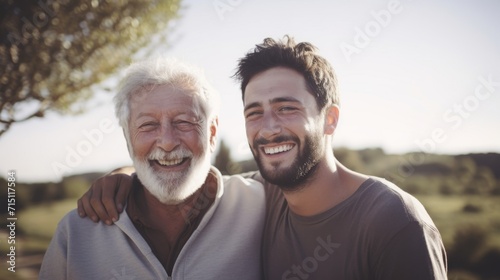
<point x="415" y="252"/>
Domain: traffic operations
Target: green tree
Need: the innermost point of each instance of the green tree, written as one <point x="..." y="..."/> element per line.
<point x="52" y="52"/>
<point x="223" y="161"/>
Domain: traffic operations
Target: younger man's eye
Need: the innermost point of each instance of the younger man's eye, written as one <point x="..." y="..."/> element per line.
<point x="252" y="114"/>
<point x="287" y="109"/>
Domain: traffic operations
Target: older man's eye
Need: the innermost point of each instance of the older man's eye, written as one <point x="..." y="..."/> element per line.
<point x="148" y="126"/>
<point x="184" y="125"/>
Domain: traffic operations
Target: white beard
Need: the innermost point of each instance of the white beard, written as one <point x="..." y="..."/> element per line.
<point x="172" y="188"/>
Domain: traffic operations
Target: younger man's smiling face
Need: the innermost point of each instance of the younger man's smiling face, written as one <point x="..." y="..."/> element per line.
<point x="285" y="129"/>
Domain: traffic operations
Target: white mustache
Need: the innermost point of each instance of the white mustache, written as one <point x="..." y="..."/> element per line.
<point x="159" y="154"/>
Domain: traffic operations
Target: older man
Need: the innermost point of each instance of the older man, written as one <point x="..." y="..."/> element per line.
<point x="183" y="220"/>
<point x="323" y="221"/>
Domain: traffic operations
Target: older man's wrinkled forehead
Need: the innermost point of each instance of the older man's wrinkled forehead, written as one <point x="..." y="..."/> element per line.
<point x="170" y="90"/>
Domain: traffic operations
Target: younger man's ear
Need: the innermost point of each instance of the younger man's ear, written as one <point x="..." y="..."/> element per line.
<point x="331" y="119"/>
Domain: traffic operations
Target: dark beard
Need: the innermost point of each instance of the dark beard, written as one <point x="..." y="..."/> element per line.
<point x="302" y="169"/>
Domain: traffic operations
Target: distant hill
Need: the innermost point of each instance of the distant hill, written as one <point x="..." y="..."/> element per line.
<point x="419" y="172"/>
<point x="473" y="173"/>
<point x="28" y="194"/>
<point x="490" y="160"/>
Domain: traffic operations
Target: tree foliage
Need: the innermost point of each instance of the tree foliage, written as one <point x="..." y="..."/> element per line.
<point x="52" y="52"/>
<point x="224" y="162"/>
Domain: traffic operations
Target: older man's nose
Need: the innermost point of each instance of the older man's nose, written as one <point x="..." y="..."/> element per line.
<point x="168" y="139"/>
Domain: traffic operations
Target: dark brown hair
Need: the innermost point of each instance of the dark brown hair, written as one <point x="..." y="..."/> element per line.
<point x="302" y="57"/>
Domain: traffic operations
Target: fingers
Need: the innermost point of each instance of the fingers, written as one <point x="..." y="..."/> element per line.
<point x="81" y="211"/>
<point x="105" y="198"/>
<point x="108" y="200"/>
<point x="123" y="191"/>
<point x="85" y="207"/>
<point x="96" y="200"/>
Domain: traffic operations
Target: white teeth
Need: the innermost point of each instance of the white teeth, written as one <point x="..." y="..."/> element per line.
<point x="278" y="149"/>
<point x="169" y="162"/>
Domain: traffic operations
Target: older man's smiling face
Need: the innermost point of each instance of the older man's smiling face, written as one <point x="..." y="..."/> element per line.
<point x="170" y="139"/>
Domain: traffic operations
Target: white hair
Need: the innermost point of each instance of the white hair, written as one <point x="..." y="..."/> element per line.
<point x="142" y="77"/>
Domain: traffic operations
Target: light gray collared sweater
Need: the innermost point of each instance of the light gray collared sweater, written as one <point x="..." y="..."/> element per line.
<point x="226" y="244"/>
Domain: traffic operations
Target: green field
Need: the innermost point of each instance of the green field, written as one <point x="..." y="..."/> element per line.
<point x="37" y="224"/>
<point x="449" y="216"/>
<point x="35" y="227"/>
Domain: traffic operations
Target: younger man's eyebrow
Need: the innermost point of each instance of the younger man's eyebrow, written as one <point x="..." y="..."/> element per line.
<point x="284" y="99"/>
<point x="252" y="105"/>
<point x="272" y="101"/>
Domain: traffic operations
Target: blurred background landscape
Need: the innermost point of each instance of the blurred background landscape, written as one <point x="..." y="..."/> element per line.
<point x="460" y="192"/>
<point x="419" y="84"/>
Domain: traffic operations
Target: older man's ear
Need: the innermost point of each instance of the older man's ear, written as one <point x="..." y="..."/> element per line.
<point x="214" y="126"/>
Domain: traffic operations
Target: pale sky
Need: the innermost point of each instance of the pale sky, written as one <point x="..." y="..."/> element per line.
<point x="414" y="76"/>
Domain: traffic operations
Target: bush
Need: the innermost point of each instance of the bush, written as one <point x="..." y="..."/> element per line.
<point x="471" y="208"/>
<point x="467" y="243"/>
<point x="488" y="265"/>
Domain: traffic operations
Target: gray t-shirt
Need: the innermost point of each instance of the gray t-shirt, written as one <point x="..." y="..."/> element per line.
<point x="380" y="232"/>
